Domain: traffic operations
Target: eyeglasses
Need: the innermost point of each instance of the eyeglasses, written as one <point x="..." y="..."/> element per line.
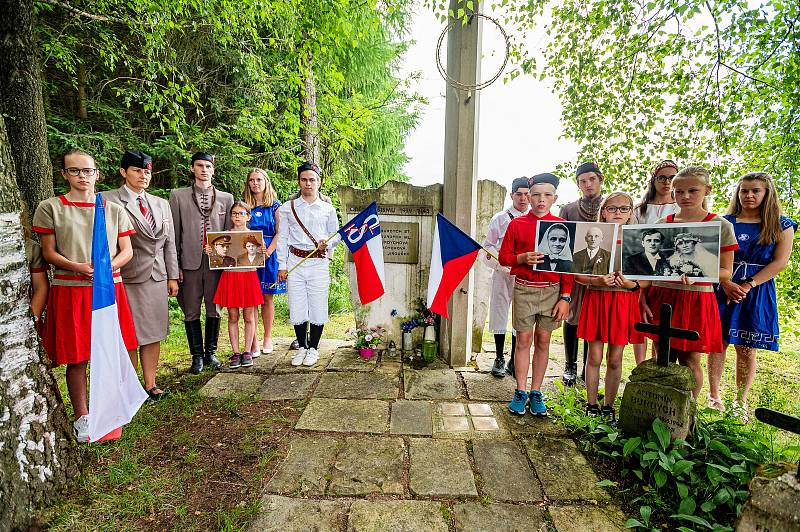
<point x="237" y="213"/>
<point x="85" y="172"/>
<point x="666" y="178"/>
<point x="613" y="209"/>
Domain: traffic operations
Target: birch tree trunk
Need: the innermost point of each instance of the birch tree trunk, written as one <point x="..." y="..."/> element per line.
<point x="21" y="102"/>
<point x="309" y="130"/>
<point x="37" y="455"/>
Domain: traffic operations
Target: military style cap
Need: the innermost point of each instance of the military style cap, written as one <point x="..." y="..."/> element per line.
<point x="520" y="182"/>
<point x="225" y="239"/>
<point x="308" y="165"/>
<point x="588" y="167"/>
<point x="203" y="156"/>
<point x="538" y="179"/>
<point x="139" y="159"/>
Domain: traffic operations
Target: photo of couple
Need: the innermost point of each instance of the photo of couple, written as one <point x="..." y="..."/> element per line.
<point x="232" y="250"/>
<point x="581" y="248"/>
<point x="669" y="251"/>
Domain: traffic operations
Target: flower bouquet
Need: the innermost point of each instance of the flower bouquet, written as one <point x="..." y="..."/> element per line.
<point x="684" y="267"/>
<point x="367" y="339"/>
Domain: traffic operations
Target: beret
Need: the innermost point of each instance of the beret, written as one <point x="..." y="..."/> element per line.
<point x="520" y="182"/>
<point x="588" y="167"/>
<point x="308" y="165"/>
<point x="203" y="156"/>
<point x="139" y="159"/>
<point x="538" y="179"/>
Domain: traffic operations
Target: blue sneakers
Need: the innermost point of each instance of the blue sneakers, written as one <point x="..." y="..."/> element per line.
<point x="517" y="405"/>
<point x="536" y="404"/>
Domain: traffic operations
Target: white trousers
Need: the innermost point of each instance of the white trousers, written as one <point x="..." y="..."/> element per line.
<point x="502" y="293"/>
<point x="307" y="288"/>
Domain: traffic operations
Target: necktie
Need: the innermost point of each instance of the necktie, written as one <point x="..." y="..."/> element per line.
<point x="147" y="214"/>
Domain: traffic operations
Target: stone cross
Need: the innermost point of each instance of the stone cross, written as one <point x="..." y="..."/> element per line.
<point x="780" y="420"/>
<point x="665" y="333"/>
<point x="460" y="167"/>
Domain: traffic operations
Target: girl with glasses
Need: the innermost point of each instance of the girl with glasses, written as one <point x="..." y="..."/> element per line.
<point x="657" y="201"/>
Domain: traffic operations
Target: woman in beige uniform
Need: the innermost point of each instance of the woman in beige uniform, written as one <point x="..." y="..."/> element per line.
<point x="152" y="275"/>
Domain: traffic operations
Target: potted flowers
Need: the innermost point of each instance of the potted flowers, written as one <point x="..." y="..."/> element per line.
<point x="367" y="339"/>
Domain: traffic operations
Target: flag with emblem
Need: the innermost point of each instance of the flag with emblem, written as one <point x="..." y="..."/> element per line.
<point x="362" y="236"/>
<point x="453" y="254"/>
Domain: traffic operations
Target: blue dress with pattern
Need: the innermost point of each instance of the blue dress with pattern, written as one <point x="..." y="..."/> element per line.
<point x="263" y="219"/>
<point x="754" y="321"/>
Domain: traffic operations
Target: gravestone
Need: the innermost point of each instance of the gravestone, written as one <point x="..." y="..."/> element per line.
<point x="408" y="215"/>
<point x="658" y="389"/>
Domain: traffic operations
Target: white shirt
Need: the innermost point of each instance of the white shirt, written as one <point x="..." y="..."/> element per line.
<point x="653" y="259"/>
<point x="496" y="232"/>
<point x="137" y="196"/>
<point x="654" y="212"/>
<point x="319" y="218"/>
<point x="592" y="252"/>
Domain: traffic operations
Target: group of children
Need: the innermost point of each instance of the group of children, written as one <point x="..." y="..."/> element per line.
<point x="755" y="244"/>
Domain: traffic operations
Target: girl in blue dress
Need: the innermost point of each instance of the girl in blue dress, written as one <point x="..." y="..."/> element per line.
<point x="261" y="197"/>
<point x="748" y="306"/>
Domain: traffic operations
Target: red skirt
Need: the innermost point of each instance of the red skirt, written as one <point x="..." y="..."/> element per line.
<point x="608" y="316"/>
<point x="696" y="311"/>
<point x="66" y="334"/>
<point x="238" y="289"/>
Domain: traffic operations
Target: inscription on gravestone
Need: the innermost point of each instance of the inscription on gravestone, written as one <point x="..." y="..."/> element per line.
<point x="400" y="239"/>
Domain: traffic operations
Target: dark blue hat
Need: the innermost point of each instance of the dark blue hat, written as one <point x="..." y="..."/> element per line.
<point x="520" y="182"/>
<point x="538" y="179"/>
<point x="308" y="165"/>
<point x="203" y="156"/>
<point x="139" y="159"/>
<point x="588" y="167"/>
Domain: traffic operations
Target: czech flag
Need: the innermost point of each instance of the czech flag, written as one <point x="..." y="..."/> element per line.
<point x="362" y="235"/>
<point x="454" y="252"/>
<point x="115" y="394"/>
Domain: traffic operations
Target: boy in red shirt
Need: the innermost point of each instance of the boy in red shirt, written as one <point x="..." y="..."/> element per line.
<point x="540" y="299"/>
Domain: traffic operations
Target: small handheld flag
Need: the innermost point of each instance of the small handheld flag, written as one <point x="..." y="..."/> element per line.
<point x="115" y="394"/>
<point x="453" y="254"/>
<point x="362" y="235"/>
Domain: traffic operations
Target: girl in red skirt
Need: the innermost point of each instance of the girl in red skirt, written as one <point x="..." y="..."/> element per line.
<point x="240" y="289"/>
<point x="694" y="305"/>
<point x="609" y="310"/>
<point x="65" y="225"/>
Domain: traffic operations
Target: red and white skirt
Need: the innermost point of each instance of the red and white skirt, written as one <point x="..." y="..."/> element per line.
<point x="67" y="330"/>
<point x="692" y="310"/>
<point x="237" y="289"/>
<point x="608" y="316"/>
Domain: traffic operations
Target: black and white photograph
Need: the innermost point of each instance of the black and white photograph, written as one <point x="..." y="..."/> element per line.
<point x="580" y="248"/>
<point x="235" y="250"/>
<point x="669" y="251"/>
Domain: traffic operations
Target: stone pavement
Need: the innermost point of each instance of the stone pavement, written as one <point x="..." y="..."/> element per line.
<point x="380" y="446"/>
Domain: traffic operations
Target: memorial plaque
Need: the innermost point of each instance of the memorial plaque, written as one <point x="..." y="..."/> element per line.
<point x="396" y="210"/>
<point x="400" y="242"/>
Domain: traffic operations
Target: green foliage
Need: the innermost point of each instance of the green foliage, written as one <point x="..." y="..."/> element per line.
<point x="702" y="481"/>
<point x="174" y="76"/>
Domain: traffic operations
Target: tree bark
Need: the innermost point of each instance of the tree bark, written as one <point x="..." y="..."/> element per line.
<point x="82" y="112"/>
<point x="309" y="130"/>
<point x="21" y="102"/>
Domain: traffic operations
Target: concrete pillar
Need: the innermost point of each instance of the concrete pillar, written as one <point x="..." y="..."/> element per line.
<point x="460" y="169"/>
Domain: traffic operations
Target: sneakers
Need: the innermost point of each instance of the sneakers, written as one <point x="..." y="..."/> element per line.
<point x="247" y="359"/>
<point x="81" y="429"/>
<point x="236" y="361"/>
<point x="536" y="403"/>
<point x="592" y="410"/>
<point x="312" y="356"/>
<point x="256" y="353"/>
<point x="609" y="414"/>
<point x="716" y="403"/>
<point x="517" y="404"/>
<point x="298" y="358"/>
<point x="499" y="366"/>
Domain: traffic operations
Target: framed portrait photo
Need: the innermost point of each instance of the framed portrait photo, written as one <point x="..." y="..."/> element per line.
<point x="578" y="248"/>
<point x="235" y="250"/>
<point x="666" y="252"/>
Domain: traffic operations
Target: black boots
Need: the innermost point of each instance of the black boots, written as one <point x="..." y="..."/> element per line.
<point x="510" y="367"/>
<point x="212" y="334"/>
<point x="499" y="366"/>
<point x="570" y="354"/>
<point x="194" y="335"/>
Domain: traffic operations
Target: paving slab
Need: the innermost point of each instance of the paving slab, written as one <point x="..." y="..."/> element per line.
<point x="472" y="516"/>
<point x="440" y="468"/>
<point x="465" y="426"/>
<point x="345" y="415"/>
<point x="280" y="514"/>
<point x="528" y="424"/>
<point x="264" y="364"/>
<point x="292" y="386"/>
<point x="431" y="384"/>
<point x="413" y="418"/>
<point x="356" y="385"/>
<point x="346" y="359"/>
<point x="397" y="516"/>
<point x="485" y="387"/>
<point x="455" y="424"/>
<point x="586" y="518"/>
<point x="367" y="465"/>
<point x="495" y="460"/>
<point x="485" y="424"/>
<point x="306" y="469"/>
<point x="452" y="409"/>
<point x="223" y="384"/>
<point x="563" y="470"/>
<point x="389" y="365"/>
<point x="480" y="409"/>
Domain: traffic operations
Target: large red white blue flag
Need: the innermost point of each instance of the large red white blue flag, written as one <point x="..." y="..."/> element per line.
<point x="115" y="394"/>
<point x="362" y="235"/>
<point x="454" y="252"/>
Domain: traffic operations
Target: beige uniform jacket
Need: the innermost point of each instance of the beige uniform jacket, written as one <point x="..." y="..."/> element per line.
<point x="188" y="222"/>
<point x="154" y="254"/>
